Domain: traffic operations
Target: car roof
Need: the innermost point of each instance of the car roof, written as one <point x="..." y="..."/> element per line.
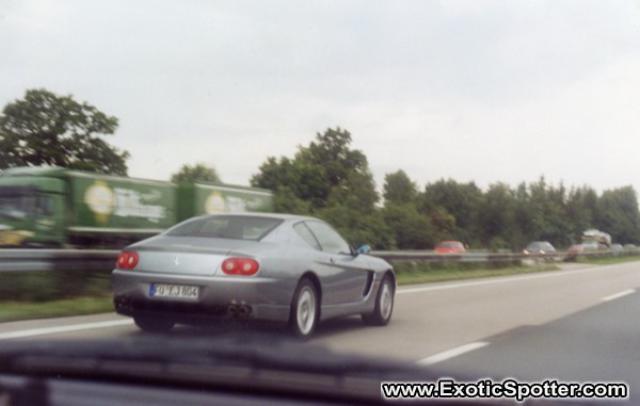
<point x="280" y="216"/>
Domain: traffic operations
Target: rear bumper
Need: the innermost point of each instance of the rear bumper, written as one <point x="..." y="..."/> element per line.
<point x="219" y="297"/>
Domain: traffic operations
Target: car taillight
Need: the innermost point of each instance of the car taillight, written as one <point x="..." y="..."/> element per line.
<point x="127" y="260"/>
<point x="240" y="266"/>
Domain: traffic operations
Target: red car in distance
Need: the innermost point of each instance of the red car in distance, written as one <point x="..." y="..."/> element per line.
<point x="450" y="247"/>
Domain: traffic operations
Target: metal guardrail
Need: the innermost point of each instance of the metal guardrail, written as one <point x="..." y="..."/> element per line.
<point x="431" y="256"/>
<point x="470" y="257"/>
<point x="38" y="260"/>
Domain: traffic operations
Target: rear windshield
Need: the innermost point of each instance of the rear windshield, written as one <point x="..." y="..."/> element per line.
<point x="230" y="227"/>
<point x="450" y="244"/>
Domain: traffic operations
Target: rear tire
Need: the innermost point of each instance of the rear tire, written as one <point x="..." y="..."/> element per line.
<point x="384" y="304"/>
<point x="305" y="309"/>
<point x="153" y="324"/>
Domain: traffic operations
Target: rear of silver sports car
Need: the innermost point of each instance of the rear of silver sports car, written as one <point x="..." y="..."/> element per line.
<point x="191" y="285"/>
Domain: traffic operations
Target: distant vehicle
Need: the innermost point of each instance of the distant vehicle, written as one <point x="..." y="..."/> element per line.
<point x="585" y="248"/>
<point x="573" y="252"/>
<point x="55" y="207"/>
<point x="274" y="267"/>
<point x="616" y="249"/>
<point x="594" y="246"/>
<point x="450" y="247"/>
<point x="539" y="248"/>
<point x="596" y="236"/>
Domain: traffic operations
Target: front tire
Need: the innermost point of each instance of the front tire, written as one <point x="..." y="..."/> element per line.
<point x="305" y="309"/>
<point x="384" y="304"/>
<point x="153" y="324"/>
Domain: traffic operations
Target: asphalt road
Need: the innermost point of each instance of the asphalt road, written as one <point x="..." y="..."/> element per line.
<point x="574" y="324"/>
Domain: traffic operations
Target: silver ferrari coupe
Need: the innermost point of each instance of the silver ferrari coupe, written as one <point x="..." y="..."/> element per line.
<point x="274" y="267"/>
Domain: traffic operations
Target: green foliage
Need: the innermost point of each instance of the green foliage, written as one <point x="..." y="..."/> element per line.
<point x="581" y="209"/>
<point x="496" y="216"/>
<point x="196" y="173"/>
<point x="328" y="166"/>
<point x="399" y="189"/>
<point x="454" y="208"/>
<point x="617" y="213"/>
<point x="410" y="228"/>
<point x="509" y="218"/>
<point x="46" y="129"/>
<point x="331" y="180"/>
<point x="286" y="201"/>
<point x="359" y="228"/>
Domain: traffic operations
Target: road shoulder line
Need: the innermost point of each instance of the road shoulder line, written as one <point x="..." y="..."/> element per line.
<point x="454" y="352"/>
<point x="618" y="295"/>
<point x="63" y="329"/>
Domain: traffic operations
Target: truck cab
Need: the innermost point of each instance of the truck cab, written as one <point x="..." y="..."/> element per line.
<point x="31" y="211"/>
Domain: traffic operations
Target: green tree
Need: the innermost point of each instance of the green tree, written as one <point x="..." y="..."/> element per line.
<point x="359" y="228"/>
<point x="581" y="210"/>
<point x="618" y="214"/>
<point x="330" y="180"/>
<point x="285" y="201"/>
<point x="410" y="228"/>
<point x="196" y="173"/>
<point x="454" y="207"/>
<point x="46" y="129"/>
<point x="398" y="188"/>
<point x="547" y="210"/>
<point x="316" y="170"/>
<point x="351" y="208"/>
<point x="497" y="217"/>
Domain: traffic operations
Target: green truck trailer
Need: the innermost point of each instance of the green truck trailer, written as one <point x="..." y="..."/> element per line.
<point x="56" y="207"/>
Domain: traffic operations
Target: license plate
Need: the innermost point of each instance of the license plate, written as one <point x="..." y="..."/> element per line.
<point x="173" y="291"/>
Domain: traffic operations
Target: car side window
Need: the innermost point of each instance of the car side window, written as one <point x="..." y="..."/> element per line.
<point x="303" y="231"/>
<point x="329" y="239"/>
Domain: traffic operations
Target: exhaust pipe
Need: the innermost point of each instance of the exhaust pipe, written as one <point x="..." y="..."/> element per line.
<point x="239" y="311"/>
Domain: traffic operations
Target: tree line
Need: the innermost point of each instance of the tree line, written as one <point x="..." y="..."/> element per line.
<point x="330" y="179"/>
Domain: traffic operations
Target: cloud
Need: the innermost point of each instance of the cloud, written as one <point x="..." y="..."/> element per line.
<point x="485" y="91"/>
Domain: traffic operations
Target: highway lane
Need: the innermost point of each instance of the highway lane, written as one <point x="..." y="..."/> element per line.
<point x="437" y="318"/>
<point x="431" y="322"/>
<point x="597" y="344"/>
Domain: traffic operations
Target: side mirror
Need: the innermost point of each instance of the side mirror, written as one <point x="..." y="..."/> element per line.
<point x="363" y="249"/>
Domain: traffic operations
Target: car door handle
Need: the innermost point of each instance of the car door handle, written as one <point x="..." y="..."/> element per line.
<point x="333" y="260"/>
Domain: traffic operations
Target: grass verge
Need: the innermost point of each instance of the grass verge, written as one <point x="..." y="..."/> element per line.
<point x="608" y="260"/>
<point x="424" y="273"/>
<point x="13" y="311"/>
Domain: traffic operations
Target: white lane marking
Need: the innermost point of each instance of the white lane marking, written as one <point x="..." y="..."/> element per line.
<point x="618" y="295"/>
<point x="64" y="329"/>
<point x="454" y="352"/>
<point x="505" y="279"/>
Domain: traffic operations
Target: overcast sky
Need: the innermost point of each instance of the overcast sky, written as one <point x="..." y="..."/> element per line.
<point x="471" y="90"/>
